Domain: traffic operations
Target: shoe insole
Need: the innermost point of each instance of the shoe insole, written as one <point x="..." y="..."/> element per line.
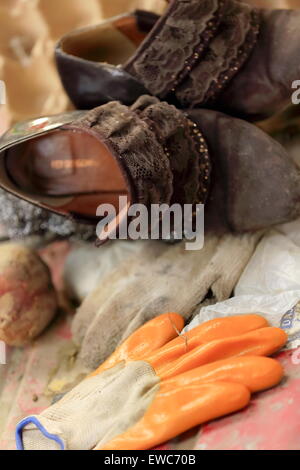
<point x="67" y="163"/>
<point x="113" y="43"/>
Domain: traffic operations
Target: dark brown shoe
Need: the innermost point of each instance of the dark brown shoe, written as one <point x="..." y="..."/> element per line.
<point x="87" y="60"/>
<point x="153" y="154"/>
<point x="220" y="54"/>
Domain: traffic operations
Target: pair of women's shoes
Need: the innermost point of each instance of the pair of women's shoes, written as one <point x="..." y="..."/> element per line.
<point x="156" y="131"/>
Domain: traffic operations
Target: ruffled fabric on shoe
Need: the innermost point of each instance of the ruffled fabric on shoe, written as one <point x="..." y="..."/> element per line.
<point x="162" y="154"/>
<point x="195" y="49"/>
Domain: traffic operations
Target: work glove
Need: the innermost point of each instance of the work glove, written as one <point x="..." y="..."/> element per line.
<point x="160" y="278"/>
<point x="160" y="383"/>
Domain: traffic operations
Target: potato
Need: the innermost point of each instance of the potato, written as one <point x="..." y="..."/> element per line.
<point x="28" y="301"/>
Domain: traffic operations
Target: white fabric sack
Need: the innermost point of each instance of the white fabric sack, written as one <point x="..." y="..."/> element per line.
<point x="269" y="285"/>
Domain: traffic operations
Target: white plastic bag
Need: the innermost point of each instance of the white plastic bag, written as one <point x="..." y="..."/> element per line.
<point x="269" y="285"/>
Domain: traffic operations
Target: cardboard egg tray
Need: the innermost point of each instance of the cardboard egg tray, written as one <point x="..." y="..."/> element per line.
<point x="28" y="33"/>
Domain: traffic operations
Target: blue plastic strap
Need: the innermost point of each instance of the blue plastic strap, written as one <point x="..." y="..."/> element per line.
<point x="35" y="421"/>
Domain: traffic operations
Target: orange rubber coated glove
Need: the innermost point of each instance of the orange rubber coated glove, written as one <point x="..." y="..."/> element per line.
<point x="204" y="374"/>
<point x="160" y="383"/>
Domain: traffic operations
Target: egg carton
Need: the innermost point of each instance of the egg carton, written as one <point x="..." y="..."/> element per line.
<point x="29" y="30"/>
